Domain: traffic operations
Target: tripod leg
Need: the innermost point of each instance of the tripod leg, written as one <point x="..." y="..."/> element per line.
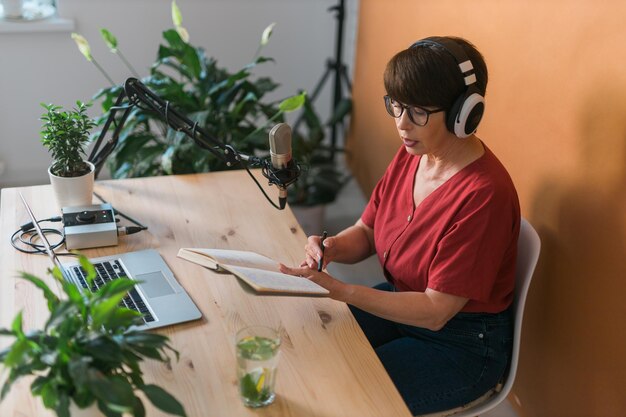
<point x="346" y="79"/>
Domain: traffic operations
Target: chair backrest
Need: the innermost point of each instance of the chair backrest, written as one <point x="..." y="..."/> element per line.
<point x="528" y="248"/>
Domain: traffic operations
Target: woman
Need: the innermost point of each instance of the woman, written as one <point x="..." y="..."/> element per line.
<point x="444" y="221"/>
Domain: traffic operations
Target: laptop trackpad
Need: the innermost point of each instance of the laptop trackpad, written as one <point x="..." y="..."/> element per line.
<point x="154" y="284"/>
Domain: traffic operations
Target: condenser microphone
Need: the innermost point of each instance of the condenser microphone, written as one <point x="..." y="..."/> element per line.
<point x="280" y="155"/>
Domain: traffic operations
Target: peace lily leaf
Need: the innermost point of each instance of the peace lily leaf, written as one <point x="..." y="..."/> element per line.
<point x="292" y="103"/>
<point x="109" y="39"/>
<point x="63" y="405"/>
<point x="52" y="299"/>
<point x="73" y="292"/>
<point x="38" y="384"/>
<point x="57" y="274"/>
<point x="49" y="394"/>
<point x="163" y="400"/>
<point x="88" y="267"/>
<point x="16" y="326"/>
<point x="115" y="390"/>
<point x="104" y="309"/>
<point x="145" y="339"/>
<point x="108" y="412"/>
<point x="105" y="349"/>
<point x="83" y="46"/>
<point x="5" y="389"/>
<point x="265" y="38"/>
<point x="14" y="357"/>
<point x="61" y="313"/>
<point x="122" y="318"/>
<point x="121" y="285"/>
<point x="138" y="409"/>
<point x="78" y="367"/>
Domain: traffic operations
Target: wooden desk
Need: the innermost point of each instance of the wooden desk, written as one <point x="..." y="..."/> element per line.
<point x="327" y="367"/>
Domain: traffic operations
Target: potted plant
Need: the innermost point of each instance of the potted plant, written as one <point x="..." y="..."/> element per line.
<point x="87" y="355"/>
<point x="229" y="105"/>
<point x="66" y="133"/>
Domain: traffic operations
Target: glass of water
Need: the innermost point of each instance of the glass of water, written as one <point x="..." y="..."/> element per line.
<point x="257" y="357"/>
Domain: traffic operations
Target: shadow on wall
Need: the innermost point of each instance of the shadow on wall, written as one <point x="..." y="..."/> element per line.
<point x="575" y="354"/>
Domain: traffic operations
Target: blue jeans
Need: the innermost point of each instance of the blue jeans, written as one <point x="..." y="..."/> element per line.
<point x="440" y="370"/>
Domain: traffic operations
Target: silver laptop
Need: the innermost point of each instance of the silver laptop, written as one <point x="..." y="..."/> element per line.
<point x="158" y="295"/>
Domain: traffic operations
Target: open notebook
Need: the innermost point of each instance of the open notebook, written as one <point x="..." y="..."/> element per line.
<point x="258" y="271"/>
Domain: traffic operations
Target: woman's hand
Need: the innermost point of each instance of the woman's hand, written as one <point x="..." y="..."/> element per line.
<point x="313" y="251"/>
<point x="338" y="290"/>
<point x="349" y="246"/>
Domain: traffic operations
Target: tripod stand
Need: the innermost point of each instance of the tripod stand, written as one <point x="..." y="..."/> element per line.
<point x="338" y="69"/>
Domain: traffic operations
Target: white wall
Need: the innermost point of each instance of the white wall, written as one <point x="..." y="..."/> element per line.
<point x="47" y="67"/>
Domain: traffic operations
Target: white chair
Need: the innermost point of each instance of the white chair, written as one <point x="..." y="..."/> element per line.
<point x="528" y="248"/>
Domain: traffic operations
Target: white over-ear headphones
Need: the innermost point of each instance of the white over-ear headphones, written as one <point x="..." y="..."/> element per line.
<point x="467" y="111"/>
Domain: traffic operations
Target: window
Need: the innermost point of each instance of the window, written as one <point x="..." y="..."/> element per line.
<point x="27" y="10"/>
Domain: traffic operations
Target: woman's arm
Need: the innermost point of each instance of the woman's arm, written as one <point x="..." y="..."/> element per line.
<point x="430" y="309"/>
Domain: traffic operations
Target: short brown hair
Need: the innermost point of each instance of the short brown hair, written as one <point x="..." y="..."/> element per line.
<point x="428" y="75"/>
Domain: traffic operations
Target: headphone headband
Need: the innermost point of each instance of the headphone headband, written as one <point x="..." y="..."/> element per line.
<point x="455" y="50"/>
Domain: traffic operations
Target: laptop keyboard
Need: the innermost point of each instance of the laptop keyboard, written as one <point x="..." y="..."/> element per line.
<point x="107" y="271"/>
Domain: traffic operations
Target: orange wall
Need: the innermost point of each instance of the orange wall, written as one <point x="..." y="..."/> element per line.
<point x="556" y="117"/>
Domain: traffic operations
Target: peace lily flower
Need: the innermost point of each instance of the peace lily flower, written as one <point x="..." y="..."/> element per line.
<point x="111" y="42"/>
<point x="85" y="49"/>
<point x="265" y="38"/>
<point x="177" y="19"/>
<point x="83" y="45"/>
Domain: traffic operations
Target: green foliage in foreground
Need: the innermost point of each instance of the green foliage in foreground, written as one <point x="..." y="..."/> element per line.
<point x="87" y="351"/>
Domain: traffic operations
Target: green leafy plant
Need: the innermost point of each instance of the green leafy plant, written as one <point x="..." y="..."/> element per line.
<point x="87" y="352"/>
<point x="230" y="106"/>
<point x="66" y="134"/>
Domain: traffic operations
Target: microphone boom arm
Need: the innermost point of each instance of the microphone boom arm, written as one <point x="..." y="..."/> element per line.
<point x="137" y="93"/>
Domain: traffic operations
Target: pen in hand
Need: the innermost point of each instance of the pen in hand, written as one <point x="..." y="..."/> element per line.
<point x="320" y="263"/>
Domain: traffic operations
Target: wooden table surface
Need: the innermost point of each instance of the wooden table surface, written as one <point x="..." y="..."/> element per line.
<point x="327" y="368"/>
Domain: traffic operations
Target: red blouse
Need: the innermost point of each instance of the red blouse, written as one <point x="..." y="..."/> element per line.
<point x="460" y="240"/>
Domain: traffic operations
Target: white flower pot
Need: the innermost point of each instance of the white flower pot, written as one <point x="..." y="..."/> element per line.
<point x="73" y="191"/>
<point x="311" y="218"/>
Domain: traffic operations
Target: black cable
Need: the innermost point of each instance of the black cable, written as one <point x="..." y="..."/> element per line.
<point x="26" y="236"/>
<point x="270" y="175"/>
<point x="260" y="187"/>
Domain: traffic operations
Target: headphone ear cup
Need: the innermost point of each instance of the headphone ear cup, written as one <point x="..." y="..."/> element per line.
<point x="466" y="113"/>
<point x="453" y="113"/>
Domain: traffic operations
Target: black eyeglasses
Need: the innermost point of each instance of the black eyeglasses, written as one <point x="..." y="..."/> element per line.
<point x="417" y="115"/>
